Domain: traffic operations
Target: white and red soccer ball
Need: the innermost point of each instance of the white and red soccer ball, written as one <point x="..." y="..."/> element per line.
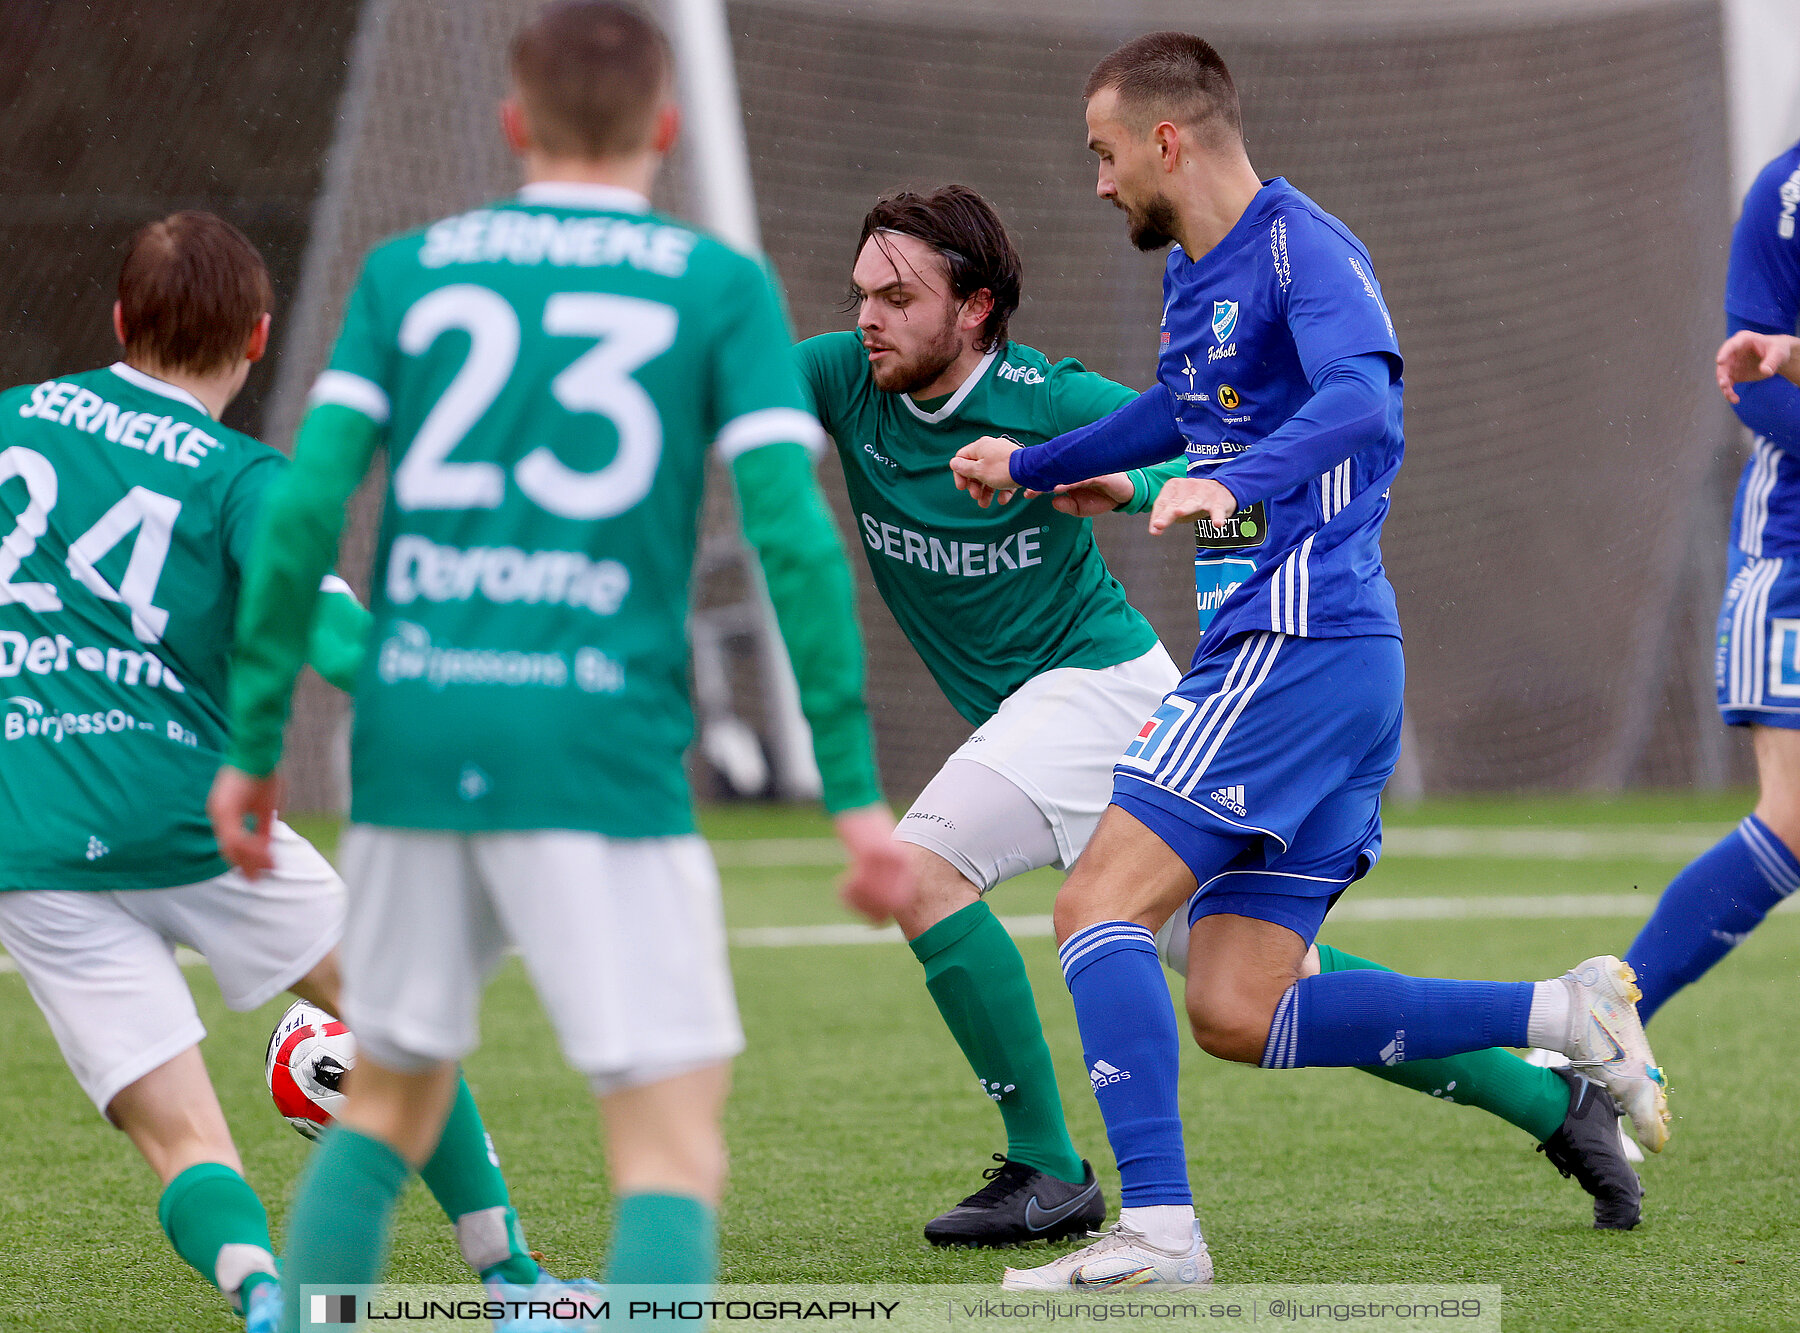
<point x="309" y="1054"/>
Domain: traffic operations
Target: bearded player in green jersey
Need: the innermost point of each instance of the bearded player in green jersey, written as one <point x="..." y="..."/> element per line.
<point x="1034" y="643"/>
<point x="547" y="374"/>
<point x="130" y="511"/>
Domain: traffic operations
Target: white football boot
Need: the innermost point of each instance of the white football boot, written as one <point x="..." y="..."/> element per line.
<point x="1607" y="1043"/>
<point x="1120" y="1258"/>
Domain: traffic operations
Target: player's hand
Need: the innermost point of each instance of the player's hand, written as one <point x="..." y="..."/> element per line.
<point x="1096" y="495"/>
<point x="1183" y="499"/>
<point x="236" y="798"/>
<point x="983" y="468"/>
<point x="879" y="882"/>
<point x="1747" y="356"/>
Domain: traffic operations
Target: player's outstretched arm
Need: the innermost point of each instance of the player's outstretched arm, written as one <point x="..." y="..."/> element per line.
<point x="1140" y="433"/>
<point x="785" y="519"/>
<point x="1346" y="414"/>
<point x="1748" y="356"/>
<point x="296" y="542"/>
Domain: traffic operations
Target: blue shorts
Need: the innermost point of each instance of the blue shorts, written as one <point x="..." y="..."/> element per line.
<point x="1756" y="667"/>
<point x="1280" y="745"/>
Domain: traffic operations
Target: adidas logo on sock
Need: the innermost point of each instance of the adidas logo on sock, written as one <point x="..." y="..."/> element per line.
<point x="1232" y="798"/>
<point x="1395" y="1051"/>
<point x="1103" y="1073"/>
<point x="96" y="849"/>
<point x="996" y="1089"/>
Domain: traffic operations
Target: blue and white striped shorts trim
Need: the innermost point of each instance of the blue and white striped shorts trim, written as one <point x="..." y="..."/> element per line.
<point x="1194" y="741"/>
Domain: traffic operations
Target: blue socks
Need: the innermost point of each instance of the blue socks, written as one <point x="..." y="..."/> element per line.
<point x="1384" y="1018"/>
<point x="1133" y="1053"/>
<point x="1708" y="910"/>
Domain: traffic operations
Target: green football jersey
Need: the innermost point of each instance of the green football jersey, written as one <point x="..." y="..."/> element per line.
<point x="549" y="372"/>
<point x="989" y="597"/>
<point x="127" y="513"/>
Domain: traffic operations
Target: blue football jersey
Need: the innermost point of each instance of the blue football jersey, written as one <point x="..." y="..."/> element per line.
<point x="1247" y="329"/>
<point x="1762" y="289"/>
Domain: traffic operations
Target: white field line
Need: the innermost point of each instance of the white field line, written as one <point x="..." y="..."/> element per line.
<point x="1634" y="906"/>
<point x="1662" y="842"/>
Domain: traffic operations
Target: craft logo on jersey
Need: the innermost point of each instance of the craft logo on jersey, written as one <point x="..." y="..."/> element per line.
<point x="1224" y="320"/>
<point x="1164" y="326"/>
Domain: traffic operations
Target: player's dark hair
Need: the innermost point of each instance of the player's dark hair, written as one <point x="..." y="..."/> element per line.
<point x="591" y="75"/>
<point x="1171" y="76"/>
<point x="191" y="292"/>
<point x="963" y="228"/>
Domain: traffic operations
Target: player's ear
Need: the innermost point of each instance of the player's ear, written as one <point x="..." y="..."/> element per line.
<point x="514" y="127"/>
<point x="1167" y="140"/>
<point x="666" y="130"/>
<point x="976" y="309"/>
<point x="119" y="321"/>
<point x="258" y="346"/>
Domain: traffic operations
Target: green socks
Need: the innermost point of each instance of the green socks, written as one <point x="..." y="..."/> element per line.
<point x="463" y="1175"/>
<point x="974" y="972"/>
<point x="343" y="1214"/>
<point x="1497" y="1081"/>
<point x="215" y="1221"/>
<point x="663" y="1240"/>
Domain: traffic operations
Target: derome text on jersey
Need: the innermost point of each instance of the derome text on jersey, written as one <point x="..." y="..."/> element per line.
<point x="71" y="405"/>
<point x="510" y="236"/>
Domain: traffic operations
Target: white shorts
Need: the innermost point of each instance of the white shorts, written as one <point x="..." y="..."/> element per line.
<point x="624" y="940"/>
<point x="1056" y="739"/>
<point x="102" y="965"/>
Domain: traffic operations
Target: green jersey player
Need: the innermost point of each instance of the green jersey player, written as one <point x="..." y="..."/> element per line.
<point x="547" y="374"/>
<point x="1034" y="643"/>
<point x="131" y="512"/>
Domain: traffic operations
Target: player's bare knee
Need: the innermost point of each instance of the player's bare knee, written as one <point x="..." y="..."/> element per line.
<point x="943" y="890"/>
<point x="1228" y="1025"/>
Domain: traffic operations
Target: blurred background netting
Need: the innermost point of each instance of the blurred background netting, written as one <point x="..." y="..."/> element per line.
<point x="1544" y="187"/>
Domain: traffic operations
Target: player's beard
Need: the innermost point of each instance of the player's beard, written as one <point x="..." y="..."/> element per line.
<point x="924" y="366"/>
<point x="1152" y="226"/>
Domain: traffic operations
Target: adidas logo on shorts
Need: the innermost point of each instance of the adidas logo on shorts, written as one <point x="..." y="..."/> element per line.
<point x="1103" y="1073"/>
<point x="1232" y="798"/>
<point x="96" y="849"/>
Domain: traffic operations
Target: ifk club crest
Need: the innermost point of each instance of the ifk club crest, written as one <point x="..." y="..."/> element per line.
<point x="1224" y="320"/>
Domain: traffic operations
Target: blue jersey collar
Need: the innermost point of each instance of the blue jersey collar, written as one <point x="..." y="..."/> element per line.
<point x="1274" y="192"/>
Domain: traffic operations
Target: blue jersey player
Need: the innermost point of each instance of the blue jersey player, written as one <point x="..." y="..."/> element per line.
<point x="1252" y="794"/>
<point x="1721" y="897"/>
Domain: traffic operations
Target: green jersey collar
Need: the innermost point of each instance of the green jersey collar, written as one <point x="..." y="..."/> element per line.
<point x="948" y="410"/>
<point x="154" y="385"/>
<point x="583" y="194"/>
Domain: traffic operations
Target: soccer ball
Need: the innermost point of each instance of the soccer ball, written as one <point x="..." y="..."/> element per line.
<point x="308" y="1056"/>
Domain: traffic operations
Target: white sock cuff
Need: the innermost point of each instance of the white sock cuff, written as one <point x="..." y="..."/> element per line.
<point x="1552" y="1007"/>
<point x="1167" y="1226"/>
<point x="235" y="1264"/>
<point x="484" y="1238"/>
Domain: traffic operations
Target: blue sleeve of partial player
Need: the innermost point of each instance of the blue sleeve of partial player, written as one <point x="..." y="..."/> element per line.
<point x="1769" y="407"/>
<point x="1138" y="434"/>
<point x="1762" y="283"/>
<point x="1346" y="414"/>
